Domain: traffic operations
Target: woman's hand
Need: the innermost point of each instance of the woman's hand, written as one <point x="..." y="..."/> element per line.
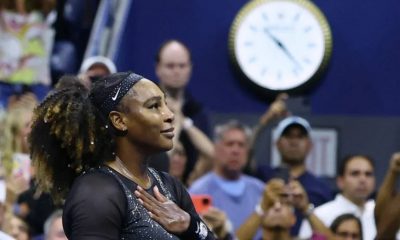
<point x="217" y="221"/>
<point x="299" y="196"/>
<point x="164" y="211"/>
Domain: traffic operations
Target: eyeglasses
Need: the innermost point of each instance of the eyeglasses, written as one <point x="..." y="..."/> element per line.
<point x="348" y="235"/>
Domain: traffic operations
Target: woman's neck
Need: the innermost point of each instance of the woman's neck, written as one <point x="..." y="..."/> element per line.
<point x="132" y="165"/>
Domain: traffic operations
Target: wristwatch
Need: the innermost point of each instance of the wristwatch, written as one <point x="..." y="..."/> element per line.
<point x="309" y="210"/>
<point x="258" y="210"/>
<point x="187" y="123"/>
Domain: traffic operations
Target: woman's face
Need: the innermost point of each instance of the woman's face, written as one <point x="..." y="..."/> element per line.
<point x="177" y="161"/>
<point x="19" y="230"/>
<point x="147" y="118"/>
<point x="348" y="230"/>
<point x="26" y="125"/>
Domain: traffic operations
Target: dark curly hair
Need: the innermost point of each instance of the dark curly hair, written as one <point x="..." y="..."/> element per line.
<point x="344" y="217"/>
<point x="69" y="136"/>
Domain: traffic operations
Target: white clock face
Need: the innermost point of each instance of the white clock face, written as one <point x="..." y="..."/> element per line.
<point x="279" y="45"/>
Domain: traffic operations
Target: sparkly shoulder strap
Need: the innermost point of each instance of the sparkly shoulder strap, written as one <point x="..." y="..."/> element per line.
<point x="164" y="189"/>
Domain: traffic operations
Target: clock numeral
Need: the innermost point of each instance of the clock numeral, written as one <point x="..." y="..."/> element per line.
<point x="253" y="28"/>
<point x="306" y="60"/>
<point x="263" y="71"/>
<point x="311" y="45"/>
<point x="279" y="75"/>
<point x="296" y="17"/>
<point x="295" y="72"/>
<point x="281" y="15"/>
<point x="265" y="16"/>
<point x="252" y="60"/>
<point x="307" y="29"/>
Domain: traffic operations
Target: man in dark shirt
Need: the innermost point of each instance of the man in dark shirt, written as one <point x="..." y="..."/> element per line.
<point x="294" y="144"/>
<point x="174" y="69"/>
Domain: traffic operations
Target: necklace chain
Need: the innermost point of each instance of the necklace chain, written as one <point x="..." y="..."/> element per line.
<point x="124" y="170"/>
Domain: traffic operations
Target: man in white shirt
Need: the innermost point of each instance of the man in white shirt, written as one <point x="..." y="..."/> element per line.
<point x="356" y="181"/>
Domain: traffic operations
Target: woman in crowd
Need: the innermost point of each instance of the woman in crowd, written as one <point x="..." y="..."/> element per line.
<point x="15" y="160"/>
<point x="347" y="226"/>
<point x="94" y="146"/>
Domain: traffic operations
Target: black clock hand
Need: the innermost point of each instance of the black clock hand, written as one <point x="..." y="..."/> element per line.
<point x="281" y="46"/>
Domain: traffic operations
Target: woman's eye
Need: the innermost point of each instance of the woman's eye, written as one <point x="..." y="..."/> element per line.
<point x="154" y="106"/>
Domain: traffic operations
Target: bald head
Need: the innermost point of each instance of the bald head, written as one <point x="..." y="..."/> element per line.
<point x="174" y="65"/>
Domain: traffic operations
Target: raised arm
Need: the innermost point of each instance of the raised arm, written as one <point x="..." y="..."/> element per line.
<point x="301" y="202"/>
<point x="271" y="194"/>
<point x="276" y="110"/>
<point x="387" y="209"/>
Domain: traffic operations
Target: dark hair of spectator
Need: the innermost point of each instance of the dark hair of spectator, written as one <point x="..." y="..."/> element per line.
<point x="166" y="43"/>
<point x="344" y="217"/>
<point x="69" y="81"/>
<point x="347" y="159"/>
<point x="43" y="6"/>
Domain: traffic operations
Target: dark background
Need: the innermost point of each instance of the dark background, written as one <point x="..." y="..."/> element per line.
<point x="358" y="95"/>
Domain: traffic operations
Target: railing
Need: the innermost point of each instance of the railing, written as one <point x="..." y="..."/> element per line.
<point x="108" y="27"/>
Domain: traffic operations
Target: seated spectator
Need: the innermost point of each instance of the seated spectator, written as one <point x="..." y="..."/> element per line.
<point x="53" y="228"/>
<point x="3" y="208"/>
<point x="14" y="147"/>
<point x="34" y="207"/>
<point x="68" y="81"/>
<point x="95" y="67"/>
<point x="199" y="140"/>
<point x="275" y="213"/>
<point x="25" y="47"/>
<point x="294" y="143"/>
<point x="173" y="67"/>
<point x="356" y="181"/>
<point x="177" y="161"/>
<point x="232" y="191"/>
<point x="17" y="228"/>
<point x="347" y="226"/>
<point x="387" y="210"/>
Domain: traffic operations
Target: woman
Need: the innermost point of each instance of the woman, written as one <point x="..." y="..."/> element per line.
<point x="15" y="160"/>
<point x="94" y="147"/>
<point x="347" y="226"/>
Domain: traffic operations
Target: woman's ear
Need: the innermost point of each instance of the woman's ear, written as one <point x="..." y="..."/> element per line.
<point x="117" y="120"/>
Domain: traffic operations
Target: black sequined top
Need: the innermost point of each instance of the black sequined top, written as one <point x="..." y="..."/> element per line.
<point x="102" y="205"/>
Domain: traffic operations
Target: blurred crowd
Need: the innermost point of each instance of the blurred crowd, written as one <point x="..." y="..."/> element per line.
<point x="239" y="198"/>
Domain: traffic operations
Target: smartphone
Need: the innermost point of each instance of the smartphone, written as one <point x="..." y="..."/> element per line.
<point x="201" y="202"/>
<point x="283" y="173"/>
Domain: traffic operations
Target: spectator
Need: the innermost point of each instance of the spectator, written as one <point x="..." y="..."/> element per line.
<point x="177" y="161"/>
<point x="387" y="210"/>
<point x="356" y="181"/>
<point x="275" y="213"/>
<point x="25" y="47"/>
<point x="94" y="68"/>
<point x="69" y="81"/>
<point x="294" y="144"/>
<point x="17" y="228"/>
<point x="173" y="69"/>
<point x="347" y="226"/>
<point x="53" y="228"/>
<point x="201" y="143"/>
<point x="14" y="146"/>
<point x="3" y="208"/>
<point x="34" y="207"/>
<point x="232" y="191"/>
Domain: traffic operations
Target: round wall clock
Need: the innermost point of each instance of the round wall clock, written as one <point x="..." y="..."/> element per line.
<point x="281" y="45"/>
